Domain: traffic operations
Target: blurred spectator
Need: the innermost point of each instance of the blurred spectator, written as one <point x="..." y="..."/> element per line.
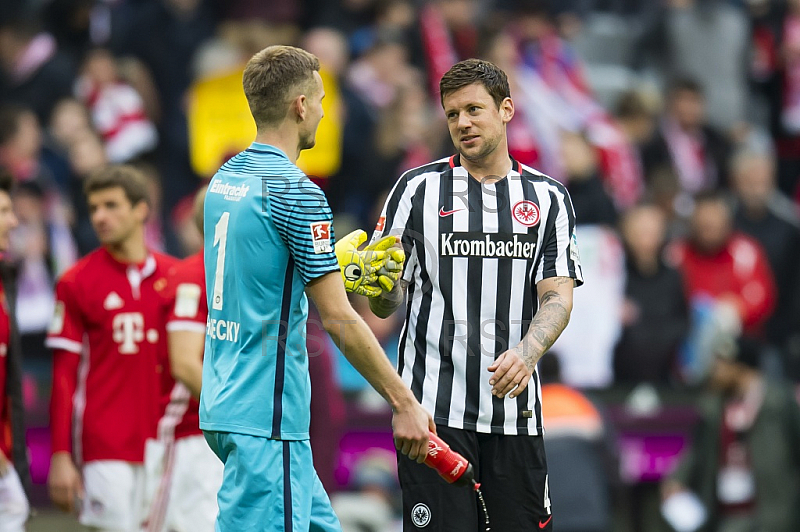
<point x="449" y="35"/>
<point x="636" y="117"/>
<point x="86" y="155"/>
<point x="33" y="72"/>
<point x="175" y="30"/>
<point x="728" y="280"/>
<point x="655" y="313"/>
<point x="707" y="40"/>
<point x="578" y="455"/>
<point x="410" y="132"/>
<point x="21" y="144"/>
<point x="664" y="191"/>
<point x="761" y="212"/>
<point x="392" y="16"/>
<point x="744" y="463"/>
<point x="590" y="200"/>
<point x="43" y="248"/>
<point x="372" y="88"/>
<point x="554" y="96"/>
<point x="726" y="265"/>
<point x="775" y="72"/>
<point x="117" y="110"/>
<point x="695" y="151"/>
<point x="69" y="120"/>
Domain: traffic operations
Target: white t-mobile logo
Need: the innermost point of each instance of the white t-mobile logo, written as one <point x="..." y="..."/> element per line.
<point x="128" y="331"/>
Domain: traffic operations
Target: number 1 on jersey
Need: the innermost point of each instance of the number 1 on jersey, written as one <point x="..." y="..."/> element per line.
<point x="221" y="238"/>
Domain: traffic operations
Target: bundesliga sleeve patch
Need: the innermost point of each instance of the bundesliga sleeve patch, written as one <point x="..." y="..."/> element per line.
<point x="57" y="323"/>
<point x="321" y="237"/>
<point x="574" y="254"/>
<point x="187" y="300"/>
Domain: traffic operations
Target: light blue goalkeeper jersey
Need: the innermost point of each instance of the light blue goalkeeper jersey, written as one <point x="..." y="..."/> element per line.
<point x="268" y="233"/>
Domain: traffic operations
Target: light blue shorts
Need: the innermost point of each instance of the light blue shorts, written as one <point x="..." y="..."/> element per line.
<point x="269" y="486"/>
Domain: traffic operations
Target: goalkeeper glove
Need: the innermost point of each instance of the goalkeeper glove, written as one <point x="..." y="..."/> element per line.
<point x="390" y="266"/>
<point x="381" y="263"/>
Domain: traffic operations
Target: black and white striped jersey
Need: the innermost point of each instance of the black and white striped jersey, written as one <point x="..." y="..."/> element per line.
<point x="475" y="252"/>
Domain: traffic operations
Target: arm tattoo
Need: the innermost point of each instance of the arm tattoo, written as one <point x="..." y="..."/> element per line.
<point x="546" y="327"/>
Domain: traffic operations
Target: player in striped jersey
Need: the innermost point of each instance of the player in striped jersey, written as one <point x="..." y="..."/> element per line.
<point x="269" y="242"/>
<point x="485" y="238"/>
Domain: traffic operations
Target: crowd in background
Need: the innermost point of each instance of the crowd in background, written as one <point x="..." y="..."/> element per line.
<point x="674" y="124"/>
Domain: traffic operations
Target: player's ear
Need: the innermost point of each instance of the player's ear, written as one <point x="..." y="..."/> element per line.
<point x="507" y="110"/>
<point x="299" y="107"/>
<point x="142" y="211"/>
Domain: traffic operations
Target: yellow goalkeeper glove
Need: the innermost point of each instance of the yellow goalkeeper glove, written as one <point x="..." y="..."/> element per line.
<point x="372" y="270"/>
<point x="390" y="265"/>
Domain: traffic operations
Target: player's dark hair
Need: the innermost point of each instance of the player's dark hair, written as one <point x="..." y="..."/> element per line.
<point x="273" y="77"/>
<point x="130" y="179"/>
<point x="471" y="71"/>
<point x="6" y="181"/>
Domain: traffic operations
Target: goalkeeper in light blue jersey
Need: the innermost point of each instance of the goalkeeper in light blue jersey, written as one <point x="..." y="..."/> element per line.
<point x="269" y="241"/>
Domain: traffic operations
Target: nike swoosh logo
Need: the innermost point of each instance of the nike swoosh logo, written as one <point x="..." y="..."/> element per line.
<point x="444" y="213"/>
<point x="542" y="525"/>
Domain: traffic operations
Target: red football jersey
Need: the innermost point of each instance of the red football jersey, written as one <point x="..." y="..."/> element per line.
<point x="5" y="414"/>
<point x="113" y="309"/>
<point x="187" y="310"/>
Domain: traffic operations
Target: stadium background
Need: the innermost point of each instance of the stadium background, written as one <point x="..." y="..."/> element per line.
<point x="618" y="99"/>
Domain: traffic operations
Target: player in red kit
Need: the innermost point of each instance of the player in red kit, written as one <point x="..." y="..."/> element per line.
<point x="13" y="455"/>
<point x="108" y="347"/>
<point x="183" y="474"/>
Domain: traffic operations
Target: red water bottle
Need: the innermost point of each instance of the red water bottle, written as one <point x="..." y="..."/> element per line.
<point x="454" y="468"/>
<point x="450" y="465"/>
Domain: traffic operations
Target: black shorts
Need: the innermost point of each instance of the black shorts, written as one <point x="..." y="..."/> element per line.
<point x="512" y="471"/>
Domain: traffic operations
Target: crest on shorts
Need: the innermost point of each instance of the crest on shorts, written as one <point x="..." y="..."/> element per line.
<point x="420" y="515"/>
<point x="526" y="212"/>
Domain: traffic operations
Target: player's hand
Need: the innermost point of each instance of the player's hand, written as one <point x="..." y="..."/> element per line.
<point x="359" y="276"/>
<point x="511" y="375"/>
<point x="387" y="256"/>
<point x="411" y="425"/>
<point x="64" y="482"/>
<point x="373" y="270"/>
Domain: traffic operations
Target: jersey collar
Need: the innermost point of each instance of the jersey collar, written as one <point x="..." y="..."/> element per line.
<point x="258" y="147"/>
<point x="455" y="161"/>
